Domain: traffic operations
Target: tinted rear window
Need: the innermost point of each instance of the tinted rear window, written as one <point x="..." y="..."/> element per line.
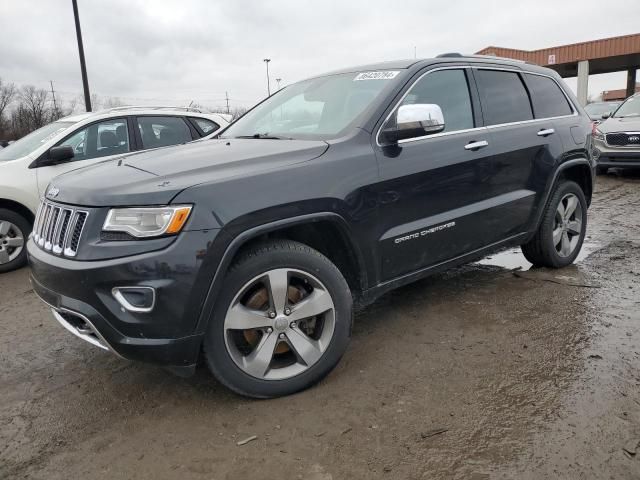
<point x="547" y="98"/>
<point x="504" y="97"/>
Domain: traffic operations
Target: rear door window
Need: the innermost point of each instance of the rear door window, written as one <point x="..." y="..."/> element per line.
<point x="504" y="97"/>
<point x="163" y="131"/>
<point x="546" y="97"/>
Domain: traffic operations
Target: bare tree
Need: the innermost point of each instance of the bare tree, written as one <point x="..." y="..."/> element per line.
<point x="7" y="94"/>
<point x="112" y="102"/>
<point x="35" y="103"/>
<point x="237" y="112"/>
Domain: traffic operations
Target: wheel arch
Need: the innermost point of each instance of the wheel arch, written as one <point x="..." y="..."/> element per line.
<point x="579" y="170"/>
<point x="18" y="208"/>
<point x="340" y="249"/>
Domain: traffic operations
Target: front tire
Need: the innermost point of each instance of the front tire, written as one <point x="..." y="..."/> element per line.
<point x="281" y="322"/>
<point x="602" y="170"/>
<point x="561" y="233"/>
<point x="14" y="230"/>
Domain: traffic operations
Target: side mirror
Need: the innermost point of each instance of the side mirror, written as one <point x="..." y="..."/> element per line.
<point x="413" y="121"/>
<point x="606" y="115"/>
<point x="57" y="155"/>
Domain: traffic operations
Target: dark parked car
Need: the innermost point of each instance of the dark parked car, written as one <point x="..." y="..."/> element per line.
<point x="254" y="249"/>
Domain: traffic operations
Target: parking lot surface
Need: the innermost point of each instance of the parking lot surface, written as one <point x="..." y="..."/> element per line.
<point x="482" y="372"/>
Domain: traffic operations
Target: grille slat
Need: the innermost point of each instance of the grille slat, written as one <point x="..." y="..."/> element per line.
<point x="58" y="228"/>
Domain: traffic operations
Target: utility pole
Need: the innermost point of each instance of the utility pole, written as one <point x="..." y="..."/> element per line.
<point x="83" y="66"/>
<point x="415" y="52"/>
<point x="227" y="96"/>
<point x="278" y="80"/>
<point x="266" y="61"/>
<point x="53" y="94"/>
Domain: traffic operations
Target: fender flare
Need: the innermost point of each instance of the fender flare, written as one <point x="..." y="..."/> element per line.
<point x="552" y="184"/>
<point x="236" y="244"/>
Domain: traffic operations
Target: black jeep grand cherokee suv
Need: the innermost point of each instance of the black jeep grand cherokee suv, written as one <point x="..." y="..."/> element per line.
<point x="254" y="248"/>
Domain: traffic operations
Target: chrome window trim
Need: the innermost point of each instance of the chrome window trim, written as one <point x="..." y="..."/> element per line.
<point x="484" y="127"/>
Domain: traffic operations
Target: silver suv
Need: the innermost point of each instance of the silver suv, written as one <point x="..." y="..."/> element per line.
<point x="616" y="141"/>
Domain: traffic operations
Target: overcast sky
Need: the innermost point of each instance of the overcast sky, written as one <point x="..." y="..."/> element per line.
<point x="172" y="52"/>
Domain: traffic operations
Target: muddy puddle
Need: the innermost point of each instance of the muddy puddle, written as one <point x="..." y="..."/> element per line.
<point x="513" y="258"/>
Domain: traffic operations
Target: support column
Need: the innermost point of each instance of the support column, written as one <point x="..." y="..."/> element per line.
<point x="583" y="81"/>
<point x="631" y="81"/>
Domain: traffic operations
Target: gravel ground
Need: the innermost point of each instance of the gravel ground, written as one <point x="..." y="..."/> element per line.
<point x="479" y="373"/>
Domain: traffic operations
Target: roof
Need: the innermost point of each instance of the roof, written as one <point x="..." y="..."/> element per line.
<point x="142" y="110"/>
<point x="422" y="62"/>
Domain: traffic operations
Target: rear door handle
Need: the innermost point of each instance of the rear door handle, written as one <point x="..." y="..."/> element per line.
<point x="476" y="145"/>
<point x="546" y="132"/>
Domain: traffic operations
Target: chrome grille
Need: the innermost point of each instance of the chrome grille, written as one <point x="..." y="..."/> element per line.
<point x="58" y="228"/>
<point x="623" y="139"/>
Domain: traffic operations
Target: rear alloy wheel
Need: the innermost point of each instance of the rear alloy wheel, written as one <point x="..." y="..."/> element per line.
<point x="562" y="229"/>
<point x="281" y="323"/>
<point x="14" y="230"/>
<point x="567" y="229"/>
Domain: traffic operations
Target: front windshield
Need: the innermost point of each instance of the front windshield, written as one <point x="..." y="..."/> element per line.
<point x="600" y="108"/>
<point x="31" y="142"/>
<point x="630" y="108"/>
<point x="317" y="109"/>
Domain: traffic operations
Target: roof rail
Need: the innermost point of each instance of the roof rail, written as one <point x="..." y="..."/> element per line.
<point x="154" y="107"/>
<point x="500" y="58"/>
<point x="459" y="55"/>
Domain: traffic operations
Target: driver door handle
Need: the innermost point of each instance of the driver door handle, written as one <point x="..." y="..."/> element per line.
<point x="476" y="145"/>
<point x="546" y="132"/>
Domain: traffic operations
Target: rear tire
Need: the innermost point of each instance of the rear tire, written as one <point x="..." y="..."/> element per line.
<point x="14" y="231"/>
<point x="299" y="310"/>
<point x="561" y="233"/>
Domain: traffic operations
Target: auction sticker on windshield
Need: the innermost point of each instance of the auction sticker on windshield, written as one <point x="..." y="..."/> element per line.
<point x="383" y="75"/>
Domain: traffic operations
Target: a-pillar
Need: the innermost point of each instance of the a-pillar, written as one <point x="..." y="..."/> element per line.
<point x="631" y="81"/>
<point x="583" y="81"/>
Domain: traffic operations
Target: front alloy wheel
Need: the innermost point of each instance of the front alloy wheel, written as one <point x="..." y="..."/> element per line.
<point x="279" y="324"/>
<point x="11" y="242"/>
<point x="281" y="321"/>
<point x="14" y="231"/>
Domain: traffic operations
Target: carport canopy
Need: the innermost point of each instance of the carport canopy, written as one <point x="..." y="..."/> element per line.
<point x="582" y="59"/>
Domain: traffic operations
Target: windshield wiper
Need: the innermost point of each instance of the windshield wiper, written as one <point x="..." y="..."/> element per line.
<point x="264" y="136"/>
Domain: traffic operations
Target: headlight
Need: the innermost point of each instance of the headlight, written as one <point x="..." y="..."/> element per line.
<point x="598" y="135"/>
<point x="144" y="222"/>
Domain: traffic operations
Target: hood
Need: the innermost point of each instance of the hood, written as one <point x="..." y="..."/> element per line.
<point x="624" y="124"/>
<point x="156" y="176"/>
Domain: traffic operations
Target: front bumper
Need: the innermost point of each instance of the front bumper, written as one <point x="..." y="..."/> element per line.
<point x="80" y="295"/>
<point x="607" y="156"/>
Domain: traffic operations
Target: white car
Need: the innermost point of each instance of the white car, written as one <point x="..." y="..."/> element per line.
<point x="28" y="165"/>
